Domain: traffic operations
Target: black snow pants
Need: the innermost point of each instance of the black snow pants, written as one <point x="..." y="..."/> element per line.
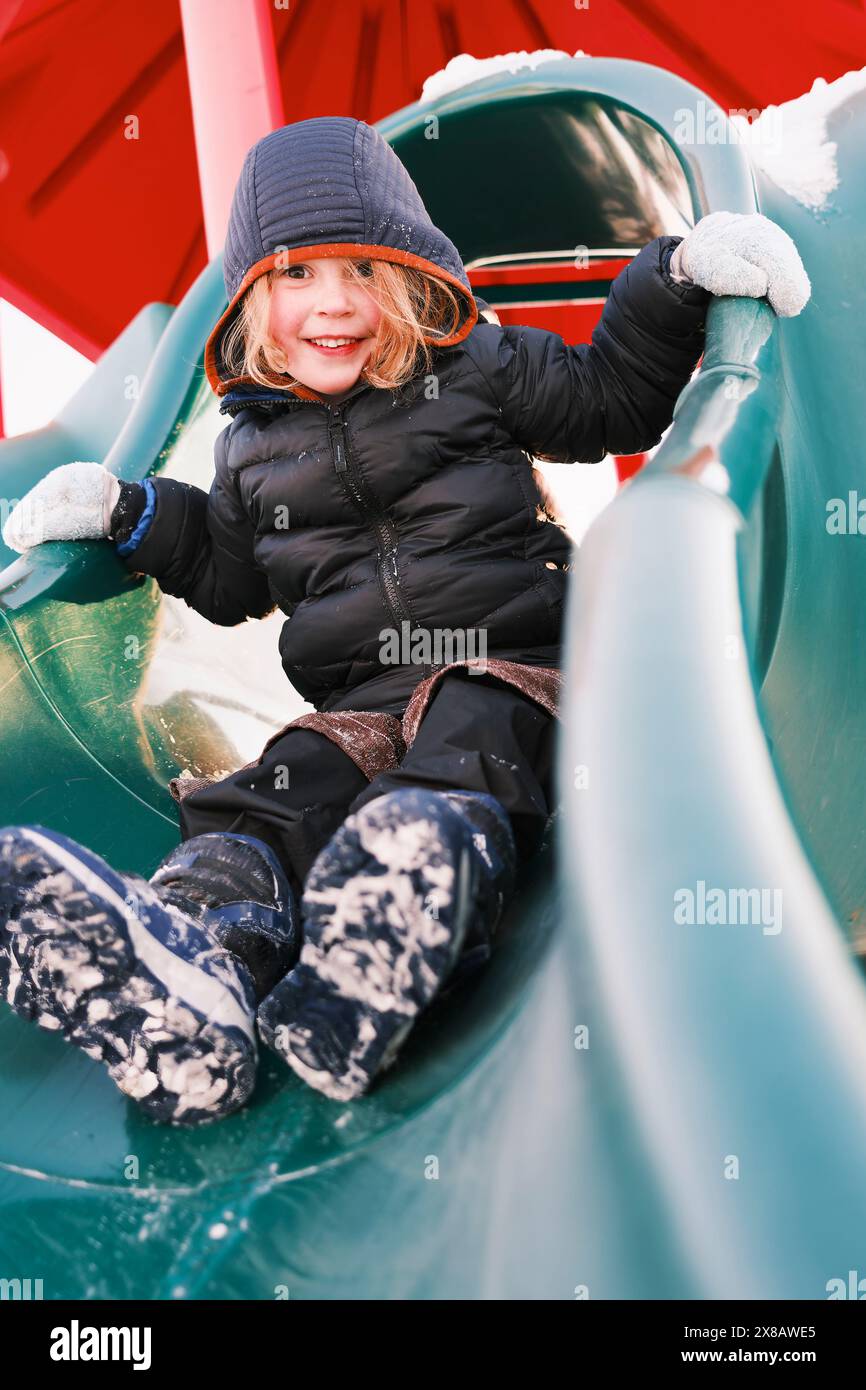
<point x="477" y="734"/>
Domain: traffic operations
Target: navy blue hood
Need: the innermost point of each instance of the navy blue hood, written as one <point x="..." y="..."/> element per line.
<point x="330" y="186"/>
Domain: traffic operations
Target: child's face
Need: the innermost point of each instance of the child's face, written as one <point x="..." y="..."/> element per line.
<point x="316" y="299"/>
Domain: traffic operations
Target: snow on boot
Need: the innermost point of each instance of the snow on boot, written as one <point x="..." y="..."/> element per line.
<point x="128" y="977"/>
<point x="386" y="909"/>
<point x="236" y="886"/>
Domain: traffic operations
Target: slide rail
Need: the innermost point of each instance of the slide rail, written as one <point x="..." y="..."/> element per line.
<point x="732" y="1008"/>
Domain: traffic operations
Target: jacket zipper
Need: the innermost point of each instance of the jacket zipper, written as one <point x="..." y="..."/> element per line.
<point x="374" y="516"/>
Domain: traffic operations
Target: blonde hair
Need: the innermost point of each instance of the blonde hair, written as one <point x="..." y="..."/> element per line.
<point x="413" y="306"/>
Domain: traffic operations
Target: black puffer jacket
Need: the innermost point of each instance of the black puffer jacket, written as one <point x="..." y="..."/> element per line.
<point x="357" y="516"/>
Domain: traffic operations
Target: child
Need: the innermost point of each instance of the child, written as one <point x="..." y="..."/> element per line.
<point x="374" y="481"/>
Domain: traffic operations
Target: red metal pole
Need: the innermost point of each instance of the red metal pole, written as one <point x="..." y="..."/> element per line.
<point x="235" y="92"/>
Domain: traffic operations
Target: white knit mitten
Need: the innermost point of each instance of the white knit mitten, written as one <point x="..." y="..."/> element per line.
<point x="745" y="253"/>
<point x="72" y="502"/>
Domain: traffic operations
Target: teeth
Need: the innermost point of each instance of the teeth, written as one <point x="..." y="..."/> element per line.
<point x="333" y="342"/>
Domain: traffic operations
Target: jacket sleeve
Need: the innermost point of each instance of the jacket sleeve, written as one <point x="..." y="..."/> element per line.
<point x="617" y="394"/>
<point x="198" y="546"/>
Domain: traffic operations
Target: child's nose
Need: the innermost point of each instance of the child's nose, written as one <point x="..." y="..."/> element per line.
<point x="333" y="299"/>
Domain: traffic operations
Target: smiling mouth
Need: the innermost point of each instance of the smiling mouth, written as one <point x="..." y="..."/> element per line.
<point x="342" y="346"/>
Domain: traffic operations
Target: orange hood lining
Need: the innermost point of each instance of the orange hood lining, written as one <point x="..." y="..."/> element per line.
<point x="308" y="253"/>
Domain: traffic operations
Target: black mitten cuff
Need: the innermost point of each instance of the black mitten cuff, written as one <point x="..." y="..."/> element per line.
<point x="127" y="511"/>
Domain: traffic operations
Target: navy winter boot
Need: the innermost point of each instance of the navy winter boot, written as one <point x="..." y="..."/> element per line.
<point x="236" y="886"/>
<point x="405" y="883"/>
<point x="124" y="971"/>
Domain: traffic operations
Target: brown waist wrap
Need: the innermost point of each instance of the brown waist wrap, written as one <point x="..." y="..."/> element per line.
<point x="377" y="742"/>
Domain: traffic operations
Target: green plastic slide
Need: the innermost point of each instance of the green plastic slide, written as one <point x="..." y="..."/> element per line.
<point x="657" y="1088"/>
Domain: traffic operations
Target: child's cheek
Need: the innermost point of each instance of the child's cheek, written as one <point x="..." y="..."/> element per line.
<point x="275" y="321"/>
<point x="285" y="319"/>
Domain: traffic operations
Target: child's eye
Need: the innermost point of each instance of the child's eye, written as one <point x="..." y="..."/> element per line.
<point x="296" y="272"/>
